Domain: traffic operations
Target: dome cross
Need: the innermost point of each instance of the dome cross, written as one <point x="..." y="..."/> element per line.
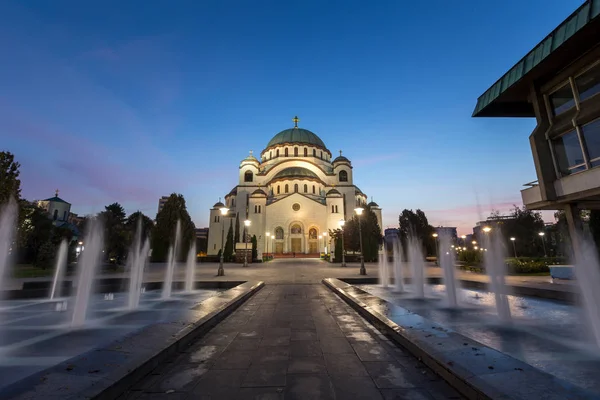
<point x="340" y="153"/>
<point x="296" y="120"/>
<point x="56" y="193"/>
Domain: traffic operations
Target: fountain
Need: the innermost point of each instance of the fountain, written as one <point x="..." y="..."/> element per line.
<point x="447" y="264"/>
<point x="417" y="265"/>
<point x="137" y="259"/>
<point x="86" y="271"/>
<point x="8" y="217"/>
<point x="495" y="267"/>
<point x="190" y="271"/>
<point x="384" y="270"/>
<point x="168" y="285"/>
<point x="61" y="263"/>
<point x="587" y="273"/>
<point x="398" y="272"/>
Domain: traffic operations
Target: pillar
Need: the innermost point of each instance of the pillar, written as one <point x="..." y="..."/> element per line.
<point x="575" y="229"/>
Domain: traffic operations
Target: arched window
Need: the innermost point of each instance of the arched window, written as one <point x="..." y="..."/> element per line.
<point x="295" y="152"/>
<point x="321" y="155"/>
<point x="278" y="189"/>
<point x="295" y="188"/>
<point x="312" y="233"/>
<point x="296" y="229"/>
<point x="279" y="233"/>
<point x="332" y="209"/>
<point x="287" y="189"/>
<point x="270" y="155"/>
<point x="277" y="153"/>
<point x="305" y="152"/>
<point x="314" y="190"/>
<point x="248" y="176"/>
<point x="64" y="216"/>
<point x="286" y="152"/>
<point x="314" y="153"/>
<point x="336" y="209"/>
<point x="55" y="216"/>
<point x="305" y="188"/>
<point x="343" y="176"/>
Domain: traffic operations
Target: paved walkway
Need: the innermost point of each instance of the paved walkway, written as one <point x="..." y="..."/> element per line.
<point x="294" y="342"/>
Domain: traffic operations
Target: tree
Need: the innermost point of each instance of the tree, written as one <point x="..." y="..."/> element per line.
<point x="115" y="236"/>
<point x="254" y="247"/>
<point x="131" y="225"/>
<point x="415" y="224"/>
<point x="37" y="230"/>
<point x="525" y="226"/>
<point x="10" y="185"/>
<point x="371" y="235"/>
<point x="173" y="210"/>
<point x="336" y="236"/>
<point x="45" y="255"/>
<point x="236" y="238"/>
<point x="228" y="252"/>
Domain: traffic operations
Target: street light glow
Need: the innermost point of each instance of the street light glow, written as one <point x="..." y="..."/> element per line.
<point x="486" y="229"/>
<point x="224" y="210"/>
<point x="247" y="222"/>
<point x="513" y="239"/>
<point x="541" y="233"/>
<point x="435" y="235"/>
<point x="359" y="210"/>
<point x="463" y="237"/>
<point x="342" y="223"/>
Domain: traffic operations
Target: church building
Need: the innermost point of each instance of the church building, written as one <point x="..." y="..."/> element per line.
<point x="292" y="196"/>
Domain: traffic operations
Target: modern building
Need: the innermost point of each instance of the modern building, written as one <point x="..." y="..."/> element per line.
<point x="390" y="235"/>
<point x="161" y="203"/>
<point x="492" y="222"/>
<point x="558" y="84"/>
<point x="202" y="233"/>
<point x="295" y="193"/>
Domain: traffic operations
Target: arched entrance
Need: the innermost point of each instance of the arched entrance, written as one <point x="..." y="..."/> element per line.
<point x="296" y="238"/>
<point x="278" y="240"/>
<point x="313" y="241"/>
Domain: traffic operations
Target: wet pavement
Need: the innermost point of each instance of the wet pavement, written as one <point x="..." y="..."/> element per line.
<point x="294" y="342"/>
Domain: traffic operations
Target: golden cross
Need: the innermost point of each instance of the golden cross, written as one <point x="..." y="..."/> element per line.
<point x="296" y="120"/>
<point x="56" y="192"/>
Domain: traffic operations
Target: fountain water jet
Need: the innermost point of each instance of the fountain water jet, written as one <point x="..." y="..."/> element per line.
<point x="86" y="270"/>
<point x="8" y="218"/>
<point x="61" y="263"/>
<point x="495" y="267"/>
<point x="138" y="256"/>
<point x="384" y="270"/>
<point x="587" y="273"/>
<point x="447" y="265"/>
<point x="168" y="285"/>
<point x="417" y="265"/>
<point x="190" y="271"/>
<point x="398" y="271"/>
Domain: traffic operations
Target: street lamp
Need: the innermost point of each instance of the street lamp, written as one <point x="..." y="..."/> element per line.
<point x="359" y="211"/>
<point x="435" y="236"/>
<point x="325" y="241"/>
<point x="487" y="229"/>
<point x="342" y="222"/>
<point x="474" y="242"/>
<point x="247" y="225"/>
<point x="224" y="211"/>
<point x="267" y="244"/>
<point x="543" y="242"/>
<point x="512" y="239"/>
<point x="464" y="238"/>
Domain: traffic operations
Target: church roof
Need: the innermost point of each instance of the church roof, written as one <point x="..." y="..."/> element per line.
<point x="259" y="192"/>
<point x="57" y="199"/>
<point x="373" y="204"/>
<point x="296" y="135"/>
<point x="340" y="159"/>
<point x="218" y="205"/>
<point x="295" y="172"/>
<point x="333" y="192"/>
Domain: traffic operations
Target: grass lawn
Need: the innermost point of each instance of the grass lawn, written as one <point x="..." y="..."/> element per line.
<point x="31" y="271"/>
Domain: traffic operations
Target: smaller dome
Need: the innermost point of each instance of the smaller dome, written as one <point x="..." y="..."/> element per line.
<point x="295" y="172"/>
<point x="259" y="192"/>
<point x="219" y="205"/>
<point x="334" y="192"/>
<point x="340" y="159"/>
<point x="358" y="191"/>
<point x="251" y="158"/>
<point x="373" y="204"/>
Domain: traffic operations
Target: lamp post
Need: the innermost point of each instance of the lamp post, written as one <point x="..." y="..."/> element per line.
<point x="247" y="225"/>
<point x="325" y="241"/>
<point x="464" y="238"/>
<point x="359" y="211"/>
<point x="224" y="211"/>
<point x="512" y="239"/>
<point x="267" y="237"/>
<point x="435" y="245"/>
<point x="342" y="222"/>
<point x="543" y="243"/>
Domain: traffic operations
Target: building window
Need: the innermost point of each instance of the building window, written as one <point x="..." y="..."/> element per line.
<point x="332" y="209"/>
<point x="588" y="83"/>
<point x="287" y="189"/>
<point x="295" y="188"/>
<point x="64" y="216"/>
<point x="215" y="246"/>
<point x="248" y="176"/>
<point x="278" y="189"/>
<point x="314" y="153"/>
<point x="277" y="153"/>
<point x="305" y="188"/>
<point x="279" y="233"/>
<point x="569" y="156"/>
<point x="259" y="209"/>
<point x="314" y="190"/>
<point x="270" y="155"/>
<point x="286" y="152"/>
<point x="305" y="152"/>
<point x="343" y="177"/>
<point x="336" y="209"/>
<point x="591" y="137"/>
<point x="562" y="99"/>
<point x="321" y="155"/>
<point x="295" y="152"/>
<point x="55" y="216"/>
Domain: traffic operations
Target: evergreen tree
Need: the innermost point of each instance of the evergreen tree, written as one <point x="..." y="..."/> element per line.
<point x="254" y="247"/>
<point x="115" y="235"/>
<point x="45" y="255"/>
<point x="236" y="238"/>
<point x="163" y="236"/>
<point x="10" y="185"/>
<point x="228" y="252"/>
<point x="131" y="225"/>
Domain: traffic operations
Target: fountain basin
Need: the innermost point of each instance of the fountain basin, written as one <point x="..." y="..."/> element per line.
<point x="562" y="271"/>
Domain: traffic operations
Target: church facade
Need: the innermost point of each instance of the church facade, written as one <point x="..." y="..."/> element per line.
<point x="292" y="196"/>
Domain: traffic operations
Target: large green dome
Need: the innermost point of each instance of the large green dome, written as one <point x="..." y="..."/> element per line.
<point x="295" y="172"/>
<point x="296" y="135"/>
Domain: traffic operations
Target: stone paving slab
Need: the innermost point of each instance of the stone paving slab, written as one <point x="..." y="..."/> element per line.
<point x="106" y="372"/>
<point x="476" y="371"/>
<point x="311" y="345"/>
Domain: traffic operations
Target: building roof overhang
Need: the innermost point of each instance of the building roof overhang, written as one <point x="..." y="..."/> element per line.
<point x="575" y="36"/>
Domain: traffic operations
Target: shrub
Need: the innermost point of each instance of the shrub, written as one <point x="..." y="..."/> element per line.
<point x="471" y="257"/>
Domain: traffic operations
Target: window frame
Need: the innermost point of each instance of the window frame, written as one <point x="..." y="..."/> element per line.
<point x="575" y="76"/>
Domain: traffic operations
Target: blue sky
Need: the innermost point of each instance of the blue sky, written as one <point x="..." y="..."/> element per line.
<point x="127" y="101"/>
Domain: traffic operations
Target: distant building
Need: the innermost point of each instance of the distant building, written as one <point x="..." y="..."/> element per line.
<point x="59" y="211"/>
<point x="447" y="230"/>
<point x="202" y="233"/>
<point x="492" y="222"/>
<point x="161" y="203"/>
<point x="391" y="234"/>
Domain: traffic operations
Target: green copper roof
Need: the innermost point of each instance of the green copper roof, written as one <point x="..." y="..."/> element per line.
<point x="296" y="135"/>
<point x="295" y="172"/>
<point x="57" y="199"/>
<point x="576" y="21"/>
